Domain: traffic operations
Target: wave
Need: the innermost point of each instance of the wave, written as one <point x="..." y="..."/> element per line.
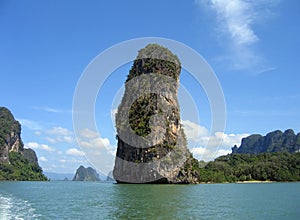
<point x="16" y="208"/>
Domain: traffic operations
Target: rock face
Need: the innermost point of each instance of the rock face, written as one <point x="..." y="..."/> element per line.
<point x="276" y="141"/>
<point x="86" y="174"/>
<point x="152" y="145"/>
<point x="17" y="163"/>
<point x="10" y="131"/>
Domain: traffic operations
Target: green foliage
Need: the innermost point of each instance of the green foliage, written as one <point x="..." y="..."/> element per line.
<point x="139" y="114"/>
<point x="280" y="166"/>
<point x="21" y="165"/>
<point x="159" y="52"/>
<point x="155" y="59"/>
<point x="20" y="168"/>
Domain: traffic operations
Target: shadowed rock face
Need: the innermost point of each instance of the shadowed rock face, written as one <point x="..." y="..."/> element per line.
<point x="276" y="141"/>
<point x="151" y="142"/>
<point x="86" y="174"/>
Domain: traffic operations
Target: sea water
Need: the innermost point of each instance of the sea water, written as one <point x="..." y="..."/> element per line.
<point x="107" y="200"/>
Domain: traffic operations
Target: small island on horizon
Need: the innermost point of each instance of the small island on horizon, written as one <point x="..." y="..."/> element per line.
<point x="86" y="174"/>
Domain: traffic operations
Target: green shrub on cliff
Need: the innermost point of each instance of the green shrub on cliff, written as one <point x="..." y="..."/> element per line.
<point x="16" y="162"/>
<point x="20" y="168"/>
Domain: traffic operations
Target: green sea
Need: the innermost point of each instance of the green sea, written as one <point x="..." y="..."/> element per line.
<point x="105" y="200"/>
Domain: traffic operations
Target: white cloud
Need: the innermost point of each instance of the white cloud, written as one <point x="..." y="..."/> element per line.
<point x="44" y="159"/>
<point x="92" y="139"/>
<point x="59" y="134"/>
<point x="35" y="145"/>
<point x="50" y="109"/>
<point x="68" y="139"/>
<point x="59" y="131"/>
<point x="206" y="154"/>
<point x="206" y="146"/>
<point x="96" y="143"/>
<point x="221" y="139"/>
<point x="93" y="144"/>
<point x="235" y="28"/>
<point x="75" y="152"/>
<point x="198" y="150"/>
<point x="235" y="19"/>
<point x="193" y="131"/>
<point x="51" y="140"/>
<point x="87" y="133"/>
<point x="53" y="110"/>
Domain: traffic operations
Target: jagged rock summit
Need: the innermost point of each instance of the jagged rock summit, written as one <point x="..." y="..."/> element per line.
<point x="152" y="145"/>
<point x="86" y="174"/>
<point x="16" y="162"/>
<point x="275" y="141"/>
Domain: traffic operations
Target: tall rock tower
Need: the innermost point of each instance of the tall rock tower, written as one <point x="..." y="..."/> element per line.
<point x="152" y="145"/>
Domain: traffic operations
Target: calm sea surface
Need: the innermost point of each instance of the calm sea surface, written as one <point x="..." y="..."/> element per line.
<point x="97" y="200"/>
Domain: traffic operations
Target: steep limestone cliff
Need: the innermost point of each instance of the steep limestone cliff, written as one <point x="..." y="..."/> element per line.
<point x="151" y="142"/>
<point x="276" y="141"/>
<point x="16" y="162"/>
<point x="10" y="131"/>
<point x="86" y="174"/>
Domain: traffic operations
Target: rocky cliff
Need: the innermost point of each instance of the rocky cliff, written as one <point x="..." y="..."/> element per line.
<point x="16" y="162"/>
<point x="151" y="142"/>
<point x="10" y="131"/>
<point x="276" y="141"/>
<point x="86" y="174"/>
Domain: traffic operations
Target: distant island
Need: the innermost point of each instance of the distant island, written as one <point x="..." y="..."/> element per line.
<point x="276" y="141"/>
<point x="16" y="162"/>
<point x="86" y="174"/>
<point x="274" y="157"/>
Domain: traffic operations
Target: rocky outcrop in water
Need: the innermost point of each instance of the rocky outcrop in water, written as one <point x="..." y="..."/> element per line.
<point x="276" y="141"/>
<point x="16" y="162"/>
<point x="152" y="145"/>
<point x="86" y="174"/>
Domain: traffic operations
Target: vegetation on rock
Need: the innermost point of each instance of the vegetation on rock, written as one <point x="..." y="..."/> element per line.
<point x="274" y="157"/>
<point x="164" y="68"/>
<point x="279" y="166"/>
<point x="16" y="162"/>
<point x="20" y="168"/>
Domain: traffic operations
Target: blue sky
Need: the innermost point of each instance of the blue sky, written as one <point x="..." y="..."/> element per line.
<point x="252" y="46"/>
